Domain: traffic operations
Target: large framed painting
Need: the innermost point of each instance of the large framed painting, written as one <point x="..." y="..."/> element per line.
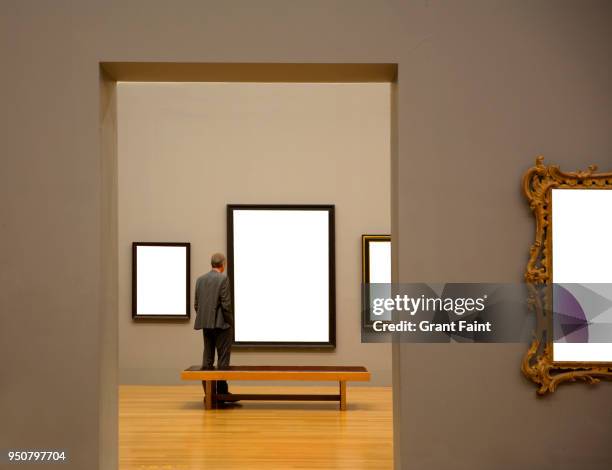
<point x="161" y="281"/>
<point x="282" y="274"/>
<point x="569" y="276"/>
<point x="375" y="274"/>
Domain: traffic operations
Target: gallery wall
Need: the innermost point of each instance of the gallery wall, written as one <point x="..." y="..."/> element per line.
<point x="186" y="150"/>
<point x="495" y="84"/>
<point x="483" y="87"/>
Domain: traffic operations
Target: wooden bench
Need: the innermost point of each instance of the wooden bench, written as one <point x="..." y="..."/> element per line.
<point x="342" y="375"/>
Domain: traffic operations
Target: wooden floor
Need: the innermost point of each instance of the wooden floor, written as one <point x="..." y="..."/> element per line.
<point x="167" y="428"/>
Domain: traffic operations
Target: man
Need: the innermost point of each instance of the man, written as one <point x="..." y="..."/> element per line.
<point x="214" y="316"/>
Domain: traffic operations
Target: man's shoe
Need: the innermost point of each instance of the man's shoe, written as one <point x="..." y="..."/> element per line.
<point x="227" y="405"/>
<point x="230" y="398"/>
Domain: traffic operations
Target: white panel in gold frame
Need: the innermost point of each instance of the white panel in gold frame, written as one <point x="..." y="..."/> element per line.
<point x="579" y="224"/>
<point x="375" y="269"/>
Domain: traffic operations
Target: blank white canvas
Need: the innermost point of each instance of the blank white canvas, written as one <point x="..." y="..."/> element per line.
<point x="380" y="262"/>
<point x="582" y="253"/>
<point x="582" y="352"/>
<point x="161" y="280"/>
<point x="281" y="275"/>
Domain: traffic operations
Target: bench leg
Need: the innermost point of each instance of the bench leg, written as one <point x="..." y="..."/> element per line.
<point x="208" y="396"/>
<point x="214" y="394"/>
<point x="342" y="395"/>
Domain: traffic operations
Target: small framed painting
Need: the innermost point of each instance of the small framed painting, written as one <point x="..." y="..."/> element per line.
<point x="161" y="281"/>
<point x="375" y="272"/>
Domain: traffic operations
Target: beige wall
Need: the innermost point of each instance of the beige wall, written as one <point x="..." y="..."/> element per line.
<point x="483" y="86"/>
<point x="185" y="150"/>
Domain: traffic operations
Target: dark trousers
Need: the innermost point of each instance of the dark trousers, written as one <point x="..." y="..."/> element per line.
<point x="221" y="340"/>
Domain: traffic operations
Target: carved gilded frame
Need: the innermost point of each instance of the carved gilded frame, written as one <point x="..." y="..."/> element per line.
<point x="538" y="364"/>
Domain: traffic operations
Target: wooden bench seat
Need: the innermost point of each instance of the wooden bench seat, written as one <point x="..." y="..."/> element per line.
<point x="339" y="374"/>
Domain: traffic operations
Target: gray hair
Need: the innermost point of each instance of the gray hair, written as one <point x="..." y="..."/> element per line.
<point x="217" y="260"/>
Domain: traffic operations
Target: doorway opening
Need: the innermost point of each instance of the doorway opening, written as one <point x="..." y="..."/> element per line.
<point x="179" y="143"/>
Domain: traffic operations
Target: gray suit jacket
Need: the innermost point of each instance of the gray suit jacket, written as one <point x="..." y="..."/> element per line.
<point x="213" y="302"/>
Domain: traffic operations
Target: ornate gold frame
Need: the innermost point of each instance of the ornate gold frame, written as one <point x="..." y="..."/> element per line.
<point x="538" y="364"/>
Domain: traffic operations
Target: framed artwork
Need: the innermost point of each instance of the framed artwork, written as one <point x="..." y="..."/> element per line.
<point x="375" y="273"/>
<point x="161" y="281"/>
<point x="281" y="265"/>
<point x="569" y="276"/>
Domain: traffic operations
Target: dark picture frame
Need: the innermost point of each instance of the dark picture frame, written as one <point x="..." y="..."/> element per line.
<point x="183" y="316"/>
<point x="331" y="237"/>
<point x="366" y="241"/>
